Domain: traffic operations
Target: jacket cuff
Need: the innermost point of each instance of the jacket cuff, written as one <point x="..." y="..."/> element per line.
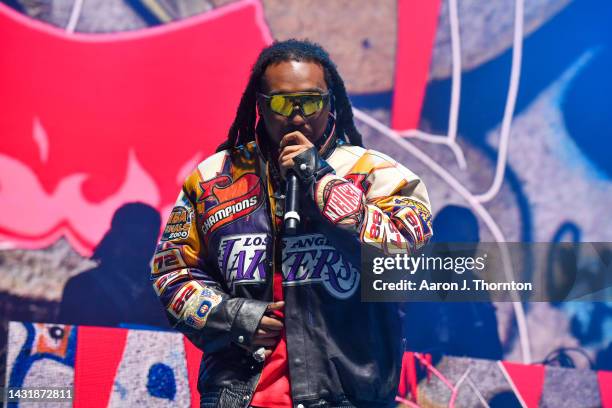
<point x="310" y="167"/>
<point x="246" y="321"/>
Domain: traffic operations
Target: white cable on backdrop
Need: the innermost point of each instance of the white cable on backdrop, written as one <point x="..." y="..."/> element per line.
<point x="450" y="138"/>
<point x="453" y="115"/>
<point x="75" y="14"/>
<point x="515" y="76"/>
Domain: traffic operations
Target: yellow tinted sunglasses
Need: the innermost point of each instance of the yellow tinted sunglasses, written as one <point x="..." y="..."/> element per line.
<point x="309" y="103"/>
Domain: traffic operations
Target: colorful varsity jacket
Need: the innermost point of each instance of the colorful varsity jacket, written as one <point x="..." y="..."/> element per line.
<point x="213" y="271"/>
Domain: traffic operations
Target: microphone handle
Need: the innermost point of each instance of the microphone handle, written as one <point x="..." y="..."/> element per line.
<point x="292" y="204"/>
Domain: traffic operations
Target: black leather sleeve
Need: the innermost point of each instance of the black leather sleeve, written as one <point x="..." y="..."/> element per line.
<point x="233" y="320"/>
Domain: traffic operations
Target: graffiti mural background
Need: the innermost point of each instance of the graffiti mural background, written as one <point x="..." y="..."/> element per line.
<point x="501" y="107"/>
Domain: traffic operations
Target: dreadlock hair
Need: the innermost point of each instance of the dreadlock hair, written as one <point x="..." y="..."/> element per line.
<point x="243" y="130"/>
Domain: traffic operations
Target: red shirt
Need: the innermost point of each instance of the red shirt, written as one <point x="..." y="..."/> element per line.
<point x="273" y="389"/>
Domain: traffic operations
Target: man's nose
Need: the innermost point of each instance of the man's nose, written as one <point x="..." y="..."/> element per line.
<point x="297" y="116"/>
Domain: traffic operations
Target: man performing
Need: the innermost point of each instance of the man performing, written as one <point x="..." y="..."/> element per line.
<point x="276" y="310"/>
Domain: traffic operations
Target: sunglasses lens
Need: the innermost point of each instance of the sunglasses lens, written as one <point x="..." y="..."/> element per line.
<point x="283" y="104"/>
<point x="312" y="104"/>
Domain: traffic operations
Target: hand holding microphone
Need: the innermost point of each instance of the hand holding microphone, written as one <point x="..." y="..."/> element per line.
<point x="291" y="145"/>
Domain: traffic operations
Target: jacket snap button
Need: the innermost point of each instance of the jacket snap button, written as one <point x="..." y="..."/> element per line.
<point x="300" y="406"/>
<point x="303" y="167"/>
<point x="240" y="339"/>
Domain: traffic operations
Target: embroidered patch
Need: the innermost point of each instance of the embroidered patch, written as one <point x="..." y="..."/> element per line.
<point x="395" y="242"/>
<point x="199" y="307"/>
<point x="425" y="216"/>
<point x="177" y="304"/>
<point x="411" y="223"/>
<point x="178" y="224"/>
<point x="223" y="201"/>
<point x="373" y="229"/>
<point x="162" y="283"/>
<point x="168" y="260"/>
<point x="380" y="232"/>
<point x="343" y="200"/>
<point x="420" y="209"/>
<point x="360" y="181"/>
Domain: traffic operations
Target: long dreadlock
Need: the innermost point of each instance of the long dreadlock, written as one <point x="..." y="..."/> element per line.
<point x="242" y="130"/>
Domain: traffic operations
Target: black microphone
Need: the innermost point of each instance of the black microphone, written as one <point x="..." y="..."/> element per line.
<point x="292" y="203"/>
